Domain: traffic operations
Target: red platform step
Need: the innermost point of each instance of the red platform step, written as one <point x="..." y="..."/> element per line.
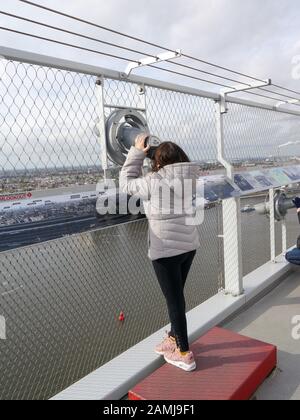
<point x="229" y="367"/>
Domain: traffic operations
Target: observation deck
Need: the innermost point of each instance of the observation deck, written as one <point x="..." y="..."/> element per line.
<point x="80" y="307"/>
<point x="274" y="319"/>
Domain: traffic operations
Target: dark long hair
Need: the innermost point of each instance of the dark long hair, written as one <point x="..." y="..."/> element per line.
<point x="168" y="153"/>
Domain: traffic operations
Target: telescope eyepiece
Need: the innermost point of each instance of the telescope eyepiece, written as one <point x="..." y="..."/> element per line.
<point x="154" y="142"/>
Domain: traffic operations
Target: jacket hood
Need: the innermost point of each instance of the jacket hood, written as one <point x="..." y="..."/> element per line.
<point x="181" y="171"/>
<point x="176" y="174"/>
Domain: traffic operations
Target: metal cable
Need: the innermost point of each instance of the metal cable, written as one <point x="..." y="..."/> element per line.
<point x="67" y="44"/>
<point x="108" y="55"/>
<point x="166" y="49"/>
<point x="280" y="94"/>
<point x="95" y="25"/>
<point x="73" y="33"/>
<point x="142" y="53"/>
<point x="262" y="96"/>
<point x="126" y="59"/>
<point x="134" y="38"/>
<point x="206" y="72"/>
<point x="117" y="46"/>
<point x="265" y="96"/>
<point x="189" y="76"/>
<point x="288" y="90"/>
<point x="222" y="68"/>
<point x="163" y="48"/>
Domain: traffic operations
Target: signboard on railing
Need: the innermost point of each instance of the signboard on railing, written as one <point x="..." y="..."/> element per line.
<point x="221" y="188"/>
<point x="14" y="197"/>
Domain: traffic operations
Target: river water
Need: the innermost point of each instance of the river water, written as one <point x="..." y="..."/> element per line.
<point x="62" y="299"/>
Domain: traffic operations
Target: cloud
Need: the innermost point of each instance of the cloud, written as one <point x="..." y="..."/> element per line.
<point x="258" y="38"/>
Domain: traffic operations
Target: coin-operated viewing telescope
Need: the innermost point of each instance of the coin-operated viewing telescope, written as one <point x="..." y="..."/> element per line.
<point x="282" y="204"/>
<point x="122" y="129"/>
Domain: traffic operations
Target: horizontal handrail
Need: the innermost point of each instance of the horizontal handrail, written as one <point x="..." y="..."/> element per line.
<point x="53" y="62"/>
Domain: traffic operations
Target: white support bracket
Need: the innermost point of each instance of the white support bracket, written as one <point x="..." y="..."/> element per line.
<point x="272" y="225"/>
<point x="233" y="261"/>
<point x="101" y="124"/>
<point x="240" y="88"/>
<point x="221" y="109"/>
<point x="284" y="235"/>
<point x="2" y="328"/>
<point x="290" y="102"/>
<point x="146" y="61"/>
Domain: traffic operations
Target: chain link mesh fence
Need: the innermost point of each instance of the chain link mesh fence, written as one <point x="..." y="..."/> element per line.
<point x="61" y="301"/>
<point x="179" y="117"/>
<point x="293" y="229"/>
<point x="184" y="119"/>
<point x="47" y="119"/>
<point x="122" y="94"/>
<point x="256" y="236"/>
<point x="258" y="134"/>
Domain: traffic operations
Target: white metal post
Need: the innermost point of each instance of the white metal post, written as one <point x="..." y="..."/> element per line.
<point x="233" y="264"/>
<point x="284" y="237"/>
<point x="101" y="124"/>
<point x="143" y="93"/>
<point x="220" y="140"/>
<point x="272" y="226"/>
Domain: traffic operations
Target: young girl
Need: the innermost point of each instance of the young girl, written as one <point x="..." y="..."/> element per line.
<point x="172" y="239"/>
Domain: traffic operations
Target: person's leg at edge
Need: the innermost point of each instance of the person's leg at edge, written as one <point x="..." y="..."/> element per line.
<point x="169" y="274"/>
<point x="185" y="269"/>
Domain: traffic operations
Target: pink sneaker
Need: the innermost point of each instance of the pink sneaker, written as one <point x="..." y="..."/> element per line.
<point x="168" y="345"/>
<point x="186" y="362"/>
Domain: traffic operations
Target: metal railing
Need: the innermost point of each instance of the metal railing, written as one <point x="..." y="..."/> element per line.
<point x="61" y="298"/>
<point x="255" y="133"/>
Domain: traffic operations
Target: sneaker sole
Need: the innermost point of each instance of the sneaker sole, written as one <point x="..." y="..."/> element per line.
<point x="160" y="353"/>
<point x="181" y="365"/>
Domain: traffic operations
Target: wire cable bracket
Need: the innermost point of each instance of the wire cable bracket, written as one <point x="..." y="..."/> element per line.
<point x="240" y="88"/>
<point x="146" y="61"/>
<point x="290" y="102"/>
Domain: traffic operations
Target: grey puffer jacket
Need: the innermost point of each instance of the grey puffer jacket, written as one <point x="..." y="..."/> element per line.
<point x="171" y="232"/>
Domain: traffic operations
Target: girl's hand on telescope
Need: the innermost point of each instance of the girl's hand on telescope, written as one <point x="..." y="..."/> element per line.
<point x="140" y="143"/>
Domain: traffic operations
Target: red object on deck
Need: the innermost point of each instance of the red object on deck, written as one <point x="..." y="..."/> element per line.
<point x="229" y="367"/>
<point x="121" y="317"/>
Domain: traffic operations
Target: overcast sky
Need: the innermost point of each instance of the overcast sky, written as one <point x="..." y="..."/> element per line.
<point x="257" y="37"/>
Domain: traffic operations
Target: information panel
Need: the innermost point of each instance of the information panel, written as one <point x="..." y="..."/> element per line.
<point x="219" y="187"/>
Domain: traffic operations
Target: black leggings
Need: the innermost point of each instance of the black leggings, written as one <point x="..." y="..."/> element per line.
<point x="172" y="274"/>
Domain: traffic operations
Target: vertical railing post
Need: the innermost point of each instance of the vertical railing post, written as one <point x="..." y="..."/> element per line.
<point x="142" y="91"/>
<point x="272" y="226"/>
<point x="284" y="236"/>
<point x="233" y="264"/>
<point x="101" y="124"/>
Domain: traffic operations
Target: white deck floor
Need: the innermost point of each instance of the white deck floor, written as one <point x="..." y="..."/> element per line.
<point x="270" y="320"/>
